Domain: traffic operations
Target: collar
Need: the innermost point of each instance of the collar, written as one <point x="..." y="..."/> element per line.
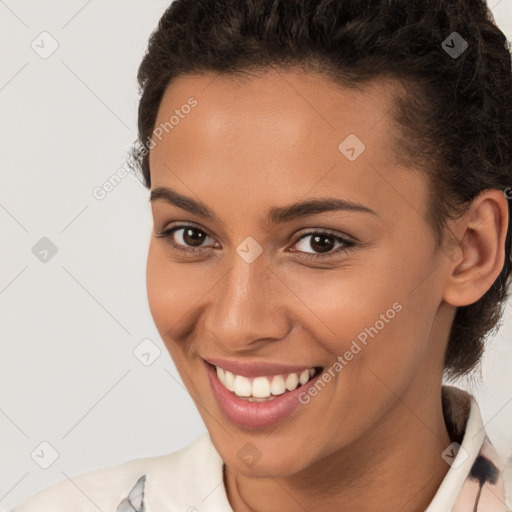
<point x="475" y="478"/>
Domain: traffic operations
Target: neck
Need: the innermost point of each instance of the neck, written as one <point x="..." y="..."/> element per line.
<point x="395" y="465"/>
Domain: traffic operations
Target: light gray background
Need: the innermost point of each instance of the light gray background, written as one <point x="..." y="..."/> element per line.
<point x="69" y="376"/>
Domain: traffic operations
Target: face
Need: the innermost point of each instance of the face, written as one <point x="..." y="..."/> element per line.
<point x="240" y="279"/>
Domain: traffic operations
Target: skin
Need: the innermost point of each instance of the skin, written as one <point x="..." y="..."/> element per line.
<point x="270" y="141"/>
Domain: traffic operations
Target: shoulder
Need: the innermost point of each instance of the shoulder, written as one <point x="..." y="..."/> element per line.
<point x="159" y="479"/>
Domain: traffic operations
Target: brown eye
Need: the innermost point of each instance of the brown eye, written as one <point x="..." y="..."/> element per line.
<point x="318" y="244"/>
<point x="322" y="243"/>
<point x="193" y="236"/>
<point x="186" y="238"/>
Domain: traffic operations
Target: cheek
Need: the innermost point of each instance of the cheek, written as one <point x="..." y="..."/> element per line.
<point x="368" y="315"/>
<point x="176" y="292"/>
<point x="168" y="299"/>
<point x="169" y="290"/>
<point x="339" y="305"/>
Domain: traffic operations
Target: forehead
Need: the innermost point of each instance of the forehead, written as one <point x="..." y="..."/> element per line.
<point x="291" y="103"/>
<point x="279" y="132"/>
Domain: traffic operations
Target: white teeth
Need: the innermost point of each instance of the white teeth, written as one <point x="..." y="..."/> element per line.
<point x="242" y="386"/>
<point x="277" y="386"/>
<point x="261" y="389"/>
<point x="229" y="381"/>
<point x="291" y="381"/>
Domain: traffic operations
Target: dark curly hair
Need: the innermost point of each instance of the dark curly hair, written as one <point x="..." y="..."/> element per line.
<point x="453" y="112"/>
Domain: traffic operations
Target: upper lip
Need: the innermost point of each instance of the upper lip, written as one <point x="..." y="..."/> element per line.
<point x="257" y="368"/>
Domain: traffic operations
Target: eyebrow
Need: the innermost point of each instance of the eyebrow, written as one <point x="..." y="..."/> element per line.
<point x="275" y="215"/>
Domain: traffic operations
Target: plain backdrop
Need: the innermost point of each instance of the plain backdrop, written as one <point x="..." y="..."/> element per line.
<point x="76" y="393"/>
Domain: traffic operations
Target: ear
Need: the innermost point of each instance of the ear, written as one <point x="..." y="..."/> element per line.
<point x="482" y="231"/>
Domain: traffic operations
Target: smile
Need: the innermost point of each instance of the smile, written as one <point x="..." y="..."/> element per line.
<point x="265" y="395"/>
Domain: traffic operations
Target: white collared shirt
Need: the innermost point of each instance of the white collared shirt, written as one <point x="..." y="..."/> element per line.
<point x="191" y="479"/>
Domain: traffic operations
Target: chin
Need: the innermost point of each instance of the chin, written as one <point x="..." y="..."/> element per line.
<point x="270" y="468"/>
<point x="265" y="463"/>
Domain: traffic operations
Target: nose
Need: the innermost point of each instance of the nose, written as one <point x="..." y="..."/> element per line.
<point x="249" y="308"/>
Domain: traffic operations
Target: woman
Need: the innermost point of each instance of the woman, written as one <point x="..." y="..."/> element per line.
<point x="330" y="185"/>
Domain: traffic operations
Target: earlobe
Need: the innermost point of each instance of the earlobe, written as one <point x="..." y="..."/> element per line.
<point x="484" y="230"/>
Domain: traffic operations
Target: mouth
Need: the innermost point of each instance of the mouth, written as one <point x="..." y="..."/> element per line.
<point x="264" y="388"/>
<point x="260" y="398"/>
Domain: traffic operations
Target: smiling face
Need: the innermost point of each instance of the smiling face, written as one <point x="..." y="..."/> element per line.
<point x="330" y="280"/>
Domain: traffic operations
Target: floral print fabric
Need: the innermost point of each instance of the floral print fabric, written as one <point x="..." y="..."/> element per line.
<point x="483" y="489"/>
<point x="134" y="502"/>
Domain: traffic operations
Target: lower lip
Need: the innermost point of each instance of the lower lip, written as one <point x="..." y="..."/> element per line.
<point x="255" y="414"/>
